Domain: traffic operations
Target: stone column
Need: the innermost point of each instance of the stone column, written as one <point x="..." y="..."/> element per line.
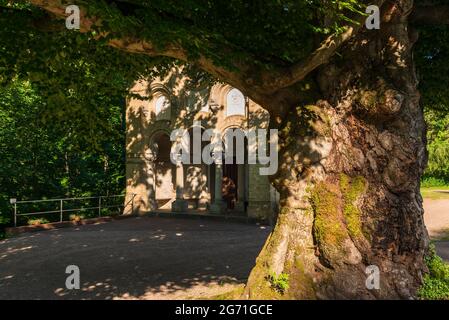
<point x="204" y="198"/>
<point x="179" y="205"/>
<point x="150" y="164"/>
<point x="151" y="185"/>
<point x="218" y="205"/>
<point x="241" y="184"/>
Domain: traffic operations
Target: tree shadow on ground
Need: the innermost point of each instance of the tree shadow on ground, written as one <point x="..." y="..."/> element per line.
<point x="142" y="258"/>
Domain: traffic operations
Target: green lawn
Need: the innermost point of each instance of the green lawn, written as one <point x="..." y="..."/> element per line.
<point x="435" y="193"/>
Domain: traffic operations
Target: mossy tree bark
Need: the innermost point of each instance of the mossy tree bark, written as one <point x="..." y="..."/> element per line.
<point x="349" y="176"/>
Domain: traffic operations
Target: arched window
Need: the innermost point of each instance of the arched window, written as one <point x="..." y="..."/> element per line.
<point x="162" y="107"/>
<point x="235" y="103"/>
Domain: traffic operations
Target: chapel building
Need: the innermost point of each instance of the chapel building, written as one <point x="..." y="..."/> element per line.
<point x="156" y="183"/>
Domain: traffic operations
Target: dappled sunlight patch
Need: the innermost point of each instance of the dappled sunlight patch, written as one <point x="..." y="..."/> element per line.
<point x="12" y="250"/>
<point x="197" y="287"/>
<point x="200" y="287"/>
<point x="103" y="290"/>
<point x="159" y="237"/>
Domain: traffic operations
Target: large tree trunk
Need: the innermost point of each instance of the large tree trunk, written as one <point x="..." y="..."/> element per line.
<point x="349" y="177"/>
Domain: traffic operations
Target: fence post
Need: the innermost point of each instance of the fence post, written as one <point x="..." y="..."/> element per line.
<point x="99" y="207"/>
<point x="15" y="214"/>
<point x="60" y="210"/>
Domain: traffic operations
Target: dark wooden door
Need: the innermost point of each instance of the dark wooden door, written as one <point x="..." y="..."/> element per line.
<point x="230" y="184"/>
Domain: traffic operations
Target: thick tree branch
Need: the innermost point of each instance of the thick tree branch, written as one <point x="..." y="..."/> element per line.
<point x="268" y="86"/>
<point x="320" y="56"/>
<point x="57" y="8"/>
<point x="438" y="14"/>
<point x="298" y="71"/>
<point x="172" y="50"/>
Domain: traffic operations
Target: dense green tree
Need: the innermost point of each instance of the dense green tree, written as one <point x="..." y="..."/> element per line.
<point x="41" y="160"/>
<point x="345" y="99"/>
<point x="437" y="171"/>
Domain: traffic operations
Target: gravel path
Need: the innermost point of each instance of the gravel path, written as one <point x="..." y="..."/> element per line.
<point x="436" y="218"/>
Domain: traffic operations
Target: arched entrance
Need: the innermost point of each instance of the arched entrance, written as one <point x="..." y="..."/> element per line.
<point x="235" y="173"/>
<point x="164" y="169"/>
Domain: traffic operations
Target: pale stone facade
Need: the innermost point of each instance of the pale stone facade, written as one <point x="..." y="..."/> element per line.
<point x="157" y="183"/>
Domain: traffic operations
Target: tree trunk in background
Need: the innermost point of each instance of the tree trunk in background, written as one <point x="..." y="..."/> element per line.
<point x="349" y="174"/>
